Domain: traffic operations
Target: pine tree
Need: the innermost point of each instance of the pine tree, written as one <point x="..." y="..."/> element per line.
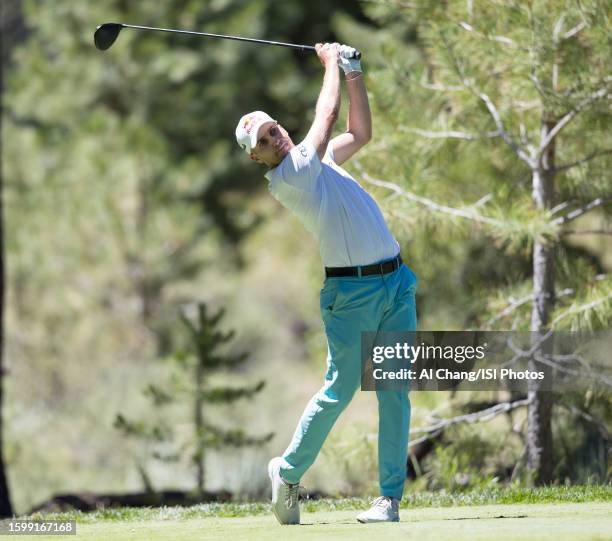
<point x="191" y="384"/>
<point x="505" y="104"/>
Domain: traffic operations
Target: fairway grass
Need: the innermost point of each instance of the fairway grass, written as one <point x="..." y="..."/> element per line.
<point x="590" y="521"/>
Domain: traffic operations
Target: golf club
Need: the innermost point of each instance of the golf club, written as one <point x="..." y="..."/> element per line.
<point x="106" y="34"/>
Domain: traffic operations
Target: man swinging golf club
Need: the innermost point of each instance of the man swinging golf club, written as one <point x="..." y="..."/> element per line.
<point x="367" y="286"/>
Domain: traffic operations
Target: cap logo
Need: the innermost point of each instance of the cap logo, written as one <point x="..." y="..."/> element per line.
<point x="248" y="125"/>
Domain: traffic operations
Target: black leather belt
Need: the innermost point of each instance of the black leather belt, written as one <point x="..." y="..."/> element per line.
<point x="366" y="270"/>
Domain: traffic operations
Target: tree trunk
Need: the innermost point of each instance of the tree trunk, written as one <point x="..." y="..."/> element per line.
<point x="6" y="509"/>
<point x="199" y="418"/>
<point x="5" y="500"/>
<point x="539" y="429"/>
<point x="199" y="430"/>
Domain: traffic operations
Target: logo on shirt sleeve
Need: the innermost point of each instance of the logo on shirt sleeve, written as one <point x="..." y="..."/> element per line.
<point x="303" y="151"/>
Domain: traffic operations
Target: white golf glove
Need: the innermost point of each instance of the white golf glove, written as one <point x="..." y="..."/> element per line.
<point x="346" y="63"/>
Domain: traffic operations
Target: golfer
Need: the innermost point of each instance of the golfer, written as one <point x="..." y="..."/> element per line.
<point x="367" y="286"/>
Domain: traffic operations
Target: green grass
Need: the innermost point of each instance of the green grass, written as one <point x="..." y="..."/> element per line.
<point x="489" y="496"/>
<point x="578" y="513"/>
<point x="590" y="521"/>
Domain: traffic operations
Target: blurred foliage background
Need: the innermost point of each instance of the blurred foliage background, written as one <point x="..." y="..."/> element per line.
<point x="126" y="199"/>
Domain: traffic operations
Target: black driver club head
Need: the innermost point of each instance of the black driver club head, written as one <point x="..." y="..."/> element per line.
<point x="106" y="34"/>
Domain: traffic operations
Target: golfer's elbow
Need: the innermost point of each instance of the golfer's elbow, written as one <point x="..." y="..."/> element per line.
<point x="365" y="128"/>
<point x="362" y="137"/>
<point x="360" y="127"/>
<point x="365" y="136"/>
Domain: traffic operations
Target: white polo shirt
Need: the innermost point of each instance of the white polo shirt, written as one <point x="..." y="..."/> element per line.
<point x="331" y="204"/>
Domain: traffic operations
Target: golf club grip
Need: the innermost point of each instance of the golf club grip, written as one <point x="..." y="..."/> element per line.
<point x="356" y="55"/>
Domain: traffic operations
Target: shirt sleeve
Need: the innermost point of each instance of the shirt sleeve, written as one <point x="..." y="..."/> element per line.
<point x="302" y="167"/>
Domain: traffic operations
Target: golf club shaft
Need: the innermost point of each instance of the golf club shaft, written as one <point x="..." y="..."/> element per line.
<point x="237" y="38"/>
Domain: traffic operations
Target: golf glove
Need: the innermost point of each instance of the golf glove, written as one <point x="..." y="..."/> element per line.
<point x="346" y="63"/>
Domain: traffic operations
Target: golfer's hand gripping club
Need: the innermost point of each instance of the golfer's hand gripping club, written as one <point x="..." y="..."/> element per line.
<point x="328" y="53"/>
<point x="345" y="56"/>
<point x="349" y="53"/>
<point x="349" y="59"/>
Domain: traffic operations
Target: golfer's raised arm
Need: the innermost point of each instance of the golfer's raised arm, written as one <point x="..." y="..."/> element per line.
<point x="359" y="121"/>
<point x="328" y="104"/>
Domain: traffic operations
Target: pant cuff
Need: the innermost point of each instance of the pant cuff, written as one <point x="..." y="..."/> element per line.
<point x="389" y="494"/>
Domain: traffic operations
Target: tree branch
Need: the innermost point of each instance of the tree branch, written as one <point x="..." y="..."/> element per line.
<point x="591" y="156"/>
<point x="478" y="416"/>
<point x="500" y="39"/>
<point x="517" y="303"/>
<point x="560" y="207"/>
<point x="503" y="133"/>
<point x="580" y="211"/>
<point x="601" y="427"/>
<point x="470" y="215"/>
<point x="482" y="201"/>
<point x="566" y="119"/>
<point x="441" y="88"/>
<point x="509" y="309"/>
<point x="571" y="33"/>
<point x="586" y="232"/>
<point x="449" y="134"/>
<point x="520" y="152"/>
<point x="581" y="308"/>
<point x="584" y="371"/>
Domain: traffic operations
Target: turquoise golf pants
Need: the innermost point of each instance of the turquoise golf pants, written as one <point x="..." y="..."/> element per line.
<point x="350" y="305"/>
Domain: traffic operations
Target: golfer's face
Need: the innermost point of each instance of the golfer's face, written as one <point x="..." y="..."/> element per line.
<point x="273" y="144"/>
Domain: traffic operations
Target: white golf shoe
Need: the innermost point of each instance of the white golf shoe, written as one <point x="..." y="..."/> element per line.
<point x="284" y="495"/>
<point x="384" y="509"/>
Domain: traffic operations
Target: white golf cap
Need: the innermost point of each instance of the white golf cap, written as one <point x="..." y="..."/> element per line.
<point x="246" y="131"/>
